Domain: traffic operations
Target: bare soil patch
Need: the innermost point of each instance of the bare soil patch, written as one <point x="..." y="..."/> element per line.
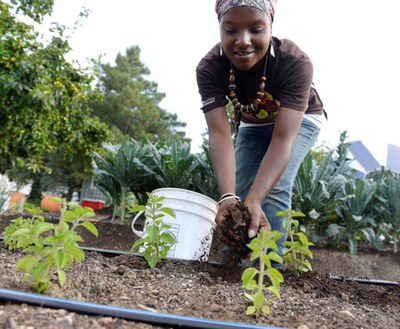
<point x="207" y="289"/>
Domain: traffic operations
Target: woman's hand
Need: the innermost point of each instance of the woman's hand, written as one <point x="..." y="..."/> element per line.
<point x="258" y="219"/>
<point x="224" y="210"/>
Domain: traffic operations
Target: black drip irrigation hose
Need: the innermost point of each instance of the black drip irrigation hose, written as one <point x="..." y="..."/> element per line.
<point x="111" y="253"/>
<point x="162" y="319"/>
<point x="365" y="281"/>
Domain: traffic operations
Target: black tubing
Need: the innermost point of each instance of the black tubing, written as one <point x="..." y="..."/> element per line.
<point x="367" y="281"/>
<point x="108" y="252"/>
<point x="162" y="319"/>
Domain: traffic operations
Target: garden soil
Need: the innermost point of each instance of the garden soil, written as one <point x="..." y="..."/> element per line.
<point x="208" y="290"/>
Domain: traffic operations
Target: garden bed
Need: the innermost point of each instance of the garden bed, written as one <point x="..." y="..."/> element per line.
<point x="208" y="290"/>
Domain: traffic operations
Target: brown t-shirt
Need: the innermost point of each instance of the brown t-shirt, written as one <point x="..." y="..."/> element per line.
<point x="289" y="80"/>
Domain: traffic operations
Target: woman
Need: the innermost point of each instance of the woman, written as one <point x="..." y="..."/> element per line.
<point x="278" y="113"/>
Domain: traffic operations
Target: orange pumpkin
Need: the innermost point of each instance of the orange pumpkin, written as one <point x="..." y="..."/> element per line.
<point x="50" y="205"/>
<point x="15" y="197"/>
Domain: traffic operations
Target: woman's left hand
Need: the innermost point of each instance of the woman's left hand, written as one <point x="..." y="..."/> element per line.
<point x="258" y="219"/>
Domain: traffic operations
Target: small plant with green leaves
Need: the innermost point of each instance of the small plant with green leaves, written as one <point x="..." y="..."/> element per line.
<point x="51" y="247"/>
<point x="158" y="240"/>
<point x="263" y="248"/>
<point x="296" y="251"/>
<point x="14" y="242"/>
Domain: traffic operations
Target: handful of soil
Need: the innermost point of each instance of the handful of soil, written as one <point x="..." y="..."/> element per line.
<point x="233" y="231"/>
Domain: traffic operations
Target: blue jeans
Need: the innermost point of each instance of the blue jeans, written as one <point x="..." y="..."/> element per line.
<point x="250" y="147"/>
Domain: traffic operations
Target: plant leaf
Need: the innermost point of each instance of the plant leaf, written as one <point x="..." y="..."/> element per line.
<point x="259" y="299"/>
<point x="275" y="276"/>
<point x="250" y="310"/>
<point x="91" y="228"/>
<point x="62" y="277"/>
<point x="26" y="264"/>
<point x="42" y="227"/>
<point x="248" y="274"/>
<point x="21" y="231"/>
<point x="275" y="291"/>
<point x="59" y="259"/>
<point x="138" y="243"/>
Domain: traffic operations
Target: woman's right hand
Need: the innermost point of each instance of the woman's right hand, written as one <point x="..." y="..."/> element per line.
<point x="258" y="219"/>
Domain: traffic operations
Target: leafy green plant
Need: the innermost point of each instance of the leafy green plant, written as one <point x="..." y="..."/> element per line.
<point x="355" y="224"/>
<point x="390" y="192"/>
<point x="122" y="169"/>
<point x="263" y="248"/>
<point x="43" y="96"/>
<point x="157" y="241"/>
<point x="174" y="165"/>
<point x="320" y="177"/>
<point x="51" y="248"/>
<point x="15" y="242"/>
<point x="297" y="246"/>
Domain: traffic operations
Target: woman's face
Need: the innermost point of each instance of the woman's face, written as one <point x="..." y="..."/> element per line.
<point x="245" y="35"/>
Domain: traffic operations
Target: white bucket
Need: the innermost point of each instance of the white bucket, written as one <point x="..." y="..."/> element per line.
<point x="193" y="225"/>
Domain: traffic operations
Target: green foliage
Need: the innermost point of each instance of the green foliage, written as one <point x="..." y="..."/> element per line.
<point x="389" y="194"/>
<point x="173" y="164"/>
<point x="15" y="242"/>
<point x="157" y="241"/>
<point x="130" y="105"/>
<point x="355" y="224"/>
<point x="121" y="169"/>
<point x="320" y="177"/>
<point x="34" y="9"/>
<point x="140" y="166"/>
<point x="263" y="248"/>
<point x="296" y="249"/>
<point x="325" y="190"/>
<point x="43" y="97"/>
<point x="51" y="248"/>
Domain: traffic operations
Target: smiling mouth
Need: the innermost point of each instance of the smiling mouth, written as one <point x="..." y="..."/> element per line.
<point x="244" y="53"/>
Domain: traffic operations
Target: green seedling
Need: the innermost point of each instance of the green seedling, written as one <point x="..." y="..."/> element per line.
<point x="263" y="248"/>
<point x="296" y="249"/>
<point x="158" y="240"/>
<point x="51" y="248"/>
<point x="15" y="242"/>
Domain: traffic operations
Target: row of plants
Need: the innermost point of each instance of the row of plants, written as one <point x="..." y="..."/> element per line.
<point x="127" y="172"/>
<point x="344" y="209"/>
<point x="341" y="208"/>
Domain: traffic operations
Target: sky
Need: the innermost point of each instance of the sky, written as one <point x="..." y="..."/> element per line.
<point x="352" y="45"/>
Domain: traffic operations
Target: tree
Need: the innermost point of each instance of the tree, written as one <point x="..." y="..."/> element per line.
<point x="130" y="103"/>
<point x="43" y="97"/>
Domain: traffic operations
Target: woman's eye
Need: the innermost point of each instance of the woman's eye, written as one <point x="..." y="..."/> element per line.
<point x="257" y="30"/>
<point x="229" y="31"/>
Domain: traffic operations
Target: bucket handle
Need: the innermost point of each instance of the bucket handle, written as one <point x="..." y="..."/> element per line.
<point x="138" y="233"/>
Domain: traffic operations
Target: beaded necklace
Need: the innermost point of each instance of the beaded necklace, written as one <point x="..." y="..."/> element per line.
<point x="250" y="108"/>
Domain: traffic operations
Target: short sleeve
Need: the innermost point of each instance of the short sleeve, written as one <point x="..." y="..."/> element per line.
<point x="212" y="80"/>
<point x="295" y="89"/>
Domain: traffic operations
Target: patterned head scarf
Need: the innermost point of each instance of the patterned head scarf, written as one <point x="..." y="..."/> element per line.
<point x="266" y="6"/>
